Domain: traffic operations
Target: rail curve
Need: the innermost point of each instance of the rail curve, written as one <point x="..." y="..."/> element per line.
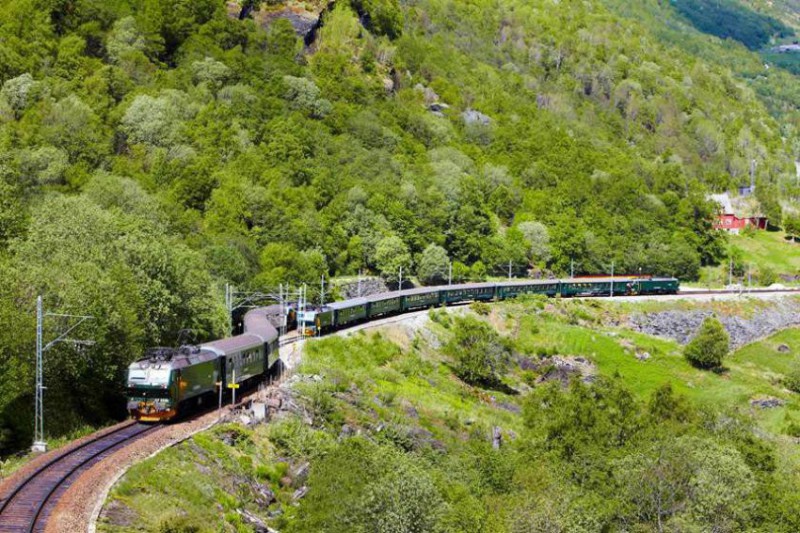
<point x="28" y="504"/>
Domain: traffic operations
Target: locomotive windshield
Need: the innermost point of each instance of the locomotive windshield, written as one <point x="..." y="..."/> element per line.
<point x="150" y="376"/>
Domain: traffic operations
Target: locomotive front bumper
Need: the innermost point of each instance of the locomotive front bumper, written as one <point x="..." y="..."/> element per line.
<point x="148" y="411"/>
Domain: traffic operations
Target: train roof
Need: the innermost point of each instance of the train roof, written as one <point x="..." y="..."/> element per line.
<point x="467" y="286"/>
<point x="345" y="304"/>
<point x="419" y="290"/>
<point x="238" y="343"/>
<point x="174" y="358"/>
<point x="521" y="283"/>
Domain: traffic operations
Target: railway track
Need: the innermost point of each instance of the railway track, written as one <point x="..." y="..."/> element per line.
<point x="27" y="506"/>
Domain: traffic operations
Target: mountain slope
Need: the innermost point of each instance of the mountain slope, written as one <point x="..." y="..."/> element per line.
<point x="151" y="151"/>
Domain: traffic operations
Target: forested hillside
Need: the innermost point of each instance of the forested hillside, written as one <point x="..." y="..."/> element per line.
<point x="151" y="151"/>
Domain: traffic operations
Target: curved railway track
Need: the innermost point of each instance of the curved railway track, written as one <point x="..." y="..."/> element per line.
<point x="27" y="505"/>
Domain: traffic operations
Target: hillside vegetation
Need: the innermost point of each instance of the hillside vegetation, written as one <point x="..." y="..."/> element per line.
<point x="729" y="19"/>
<point x="391" y="438"/>
<point x="151" y="151"/>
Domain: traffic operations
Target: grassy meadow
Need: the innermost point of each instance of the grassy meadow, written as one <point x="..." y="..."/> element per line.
<point x="390" y="403"/>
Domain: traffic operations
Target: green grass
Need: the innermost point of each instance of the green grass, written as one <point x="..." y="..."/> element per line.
<point x="197" y="484"/>
<point x="760" y="249"/>
<point x="769" y="248"/>
<point x="753" y="371"/>
<point x="388" y="392"/>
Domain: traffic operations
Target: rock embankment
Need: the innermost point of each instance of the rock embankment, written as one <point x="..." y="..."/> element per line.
<point x="366" y="287"/>
<point x="682" y="325"/>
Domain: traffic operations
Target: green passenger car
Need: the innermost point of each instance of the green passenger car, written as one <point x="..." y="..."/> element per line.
<point x="512" y="289"/>
<point x="383" y="304"/>
<point x="467" y="292"/>
<point x="659" y="286"/>
<point x="349" y="312"/>
<point x="420" y="298"/>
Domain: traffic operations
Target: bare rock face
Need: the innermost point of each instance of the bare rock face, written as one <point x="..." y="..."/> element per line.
<point x="681" y="326"/>
<point x="767" y="402"/>
<point x="305" y="18"/>
<point x="471" y="116"/>
<point x="367" y="287"/>
<point x="562" y="368"/>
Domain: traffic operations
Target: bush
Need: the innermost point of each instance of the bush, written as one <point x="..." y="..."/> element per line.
<point x="433" y="265"/>
<point x="792" y="379"/>
<point x="479" y="353"/>
<point x="709" y="346"/>
<point x="480" y="308"/>
<point x="766" y="276"/>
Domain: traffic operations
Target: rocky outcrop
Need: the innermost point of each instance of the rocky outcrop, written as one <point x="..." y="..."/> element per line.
<point x="366" y="287"/>
<point x="305" y="18"/>
<point x="682" y="325"/>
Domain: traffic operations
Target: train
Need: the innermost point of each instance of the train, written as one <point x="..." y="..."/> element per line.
<point x="338" y="315"/>
<point x="168" y="382"/>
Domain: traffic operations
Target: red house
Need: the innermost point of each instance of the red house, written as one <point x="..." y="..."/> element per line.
<point x="731" y="220"/>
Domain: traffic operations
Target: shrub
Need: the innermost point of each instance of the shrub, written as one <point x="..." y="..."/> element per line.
<point x="480" y="308"/>
<point x="479" y="353"/>
<point x="766" y="276"/>
<point x="709" y="346"/>
<point x="792" y="379"/>
<point x="433" y="265"/>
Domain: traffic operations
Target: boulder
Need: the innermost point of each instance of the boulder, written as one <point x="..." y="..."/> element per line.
<point x="767" y="402"/>
<point x="300" y="493"/>
<point x="784" y="348"/>
<point x="470" y="116"/>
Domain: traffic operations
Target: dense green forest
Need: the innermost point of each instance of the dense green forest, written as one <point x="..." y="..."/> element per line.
<point x="151" y="151"/>
<point x="728" y="19"/>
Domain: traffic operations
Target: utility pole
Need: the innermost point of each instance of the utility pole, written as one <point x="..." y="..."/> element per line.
<point x="730" y="272"/>
<point x="571" y="268"/>
<point x="39" y="444"/>
<point x="612" y="279"/>
<point x="301" y="311"/>
<point x="450" y="274"/>
<point x="359" y="283"/>
<point x="229" y="305"/>
<point x="400" y="282"/>
<point x="283" y="312"/>
<point x="322" y="292"/>
<point x="509" y="271"/>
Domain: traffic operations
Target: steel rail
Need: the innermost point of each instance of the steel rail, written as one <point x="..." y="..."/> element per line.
<point x="28" y="514"/>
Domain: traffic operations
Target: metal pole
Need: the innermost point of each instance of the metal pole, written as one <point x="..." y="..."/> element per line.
<point x="450" y="274"/>
<point x="233" y="379"/>
<point x="39" y="445"/>
<point x="730" y="273"/>
<point x="571" y="268"/>
<point x="400" y="281"/>
<point x="749" y="277"/>
<point x="283" y="309"/>
<point x="509" y="270"/>
<point x="612" y="278"/>
<point x="359" y="283"/>
<point x="322" y="291"/>
<point x="229" y="305"/>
